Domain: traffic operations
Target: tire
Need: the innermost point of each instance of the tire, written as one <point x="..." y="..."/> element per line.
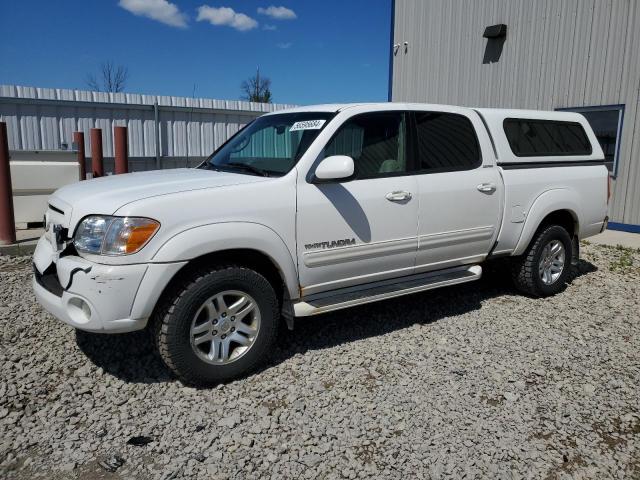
<point x="526" y="269"/>
<point x="188" y="314"/>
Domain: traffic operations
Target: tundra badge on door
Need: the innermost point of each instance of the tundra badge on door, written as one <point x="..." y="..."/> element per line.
<point x="330" y="244"/>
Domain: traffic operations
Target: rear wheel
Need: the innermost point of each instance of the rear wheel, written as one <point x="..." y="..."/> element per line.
<point x="218" y="325"/>
<point x="545" y="265"/>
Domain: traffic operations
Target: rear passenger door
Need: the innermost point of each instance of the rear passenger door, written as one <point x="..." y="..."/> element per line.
<point x="460" y="195"/>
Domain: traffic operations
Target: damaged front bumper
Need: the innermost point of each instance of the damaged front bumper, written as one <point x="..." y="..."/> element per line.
<point x="96" y="297"/>
<point x="86" y="295"/>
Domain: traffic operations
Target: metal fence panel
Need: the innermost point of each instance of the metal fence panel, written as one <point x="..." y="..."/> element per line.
<point x="45" y="119"/>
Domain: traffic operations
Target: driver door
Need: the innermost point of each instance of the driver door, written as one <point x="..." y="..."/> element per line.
<point x="364" y="229"/>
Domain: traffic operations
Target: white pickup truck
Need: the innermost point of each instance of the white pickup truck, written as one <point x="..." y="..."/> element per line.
<point x="316" y="209"/>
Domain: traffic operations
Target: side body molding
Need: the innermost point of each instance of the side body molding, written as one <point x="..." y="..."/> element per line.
<point x="205" y="239"/>
<point x="546" y="203"/>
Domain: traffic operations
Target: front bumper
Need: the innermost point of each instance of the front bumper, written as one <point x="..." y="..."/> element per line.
<point x="96" y="297"/>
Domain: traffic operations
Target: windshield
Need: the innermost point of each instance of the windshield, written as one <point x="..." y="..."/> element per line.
<point x="270" y="145"/>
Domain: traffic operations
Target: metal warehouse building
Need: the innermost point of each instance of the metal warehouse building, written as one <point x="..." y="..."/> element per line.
<point x="580" y="55"/>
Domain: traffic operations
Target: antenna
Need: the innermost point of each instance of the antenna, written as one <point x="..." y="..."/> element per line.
<point x="193" y="100"/>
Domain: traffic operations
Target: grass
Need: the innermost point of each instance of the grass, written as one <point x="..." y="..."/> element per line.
<point x="623" y="259"/>
<point x="624" y="262"/>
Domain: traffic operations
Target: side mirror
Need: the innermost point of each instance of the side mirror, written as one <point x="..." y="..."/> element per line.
<point x="336" y="167"/>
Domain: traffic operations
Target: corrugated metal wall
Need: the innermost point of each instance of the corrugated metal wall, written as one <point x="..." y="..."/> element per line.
<point x="558" y="53"/>
<point x="45" y="119"/>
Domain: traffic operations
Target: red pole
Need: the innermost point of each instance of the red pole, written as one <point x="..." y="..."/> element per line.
<point x="7" y="222"/>
<point x="78" y="139"/>
<point x="96" y="152"/>
<point x="122" y="156"/>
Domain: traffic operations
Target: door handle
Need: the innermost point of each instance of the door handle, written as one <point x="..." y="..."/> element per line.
<point x="486" y="187"/>
<point x="398" y="196"/>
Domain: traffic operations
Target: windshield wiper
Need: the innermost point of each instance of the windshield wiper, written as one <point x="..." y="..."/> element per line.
<point x="209" y="166"/>
<point x="246" y="167"/>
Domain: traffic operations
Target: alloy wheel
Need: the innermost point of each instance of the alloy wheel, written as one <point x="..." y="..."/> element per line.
<point x="225" y="327"/>
<point x="552" y="262"/>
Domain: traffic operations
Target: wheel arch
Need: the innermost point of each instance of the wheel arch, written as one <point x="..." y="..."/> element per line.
<point x="243" y="257"/>
<point x="559" y="207"/>
<point x="565" y="218"/>
<point x="250" y="245"/>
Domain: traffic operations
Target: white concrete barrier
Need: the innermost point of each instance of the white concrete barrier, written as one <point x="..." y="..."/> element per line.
<point x="34" y="176"/>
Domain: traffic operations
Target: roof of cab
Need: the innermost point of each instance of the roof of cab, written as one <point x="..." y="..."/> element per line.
<point x="329" y="107"/>
<point x="336" y="107"/>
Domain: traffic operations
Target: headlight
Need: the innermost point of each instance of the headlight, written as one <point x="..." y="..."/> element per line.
<point x="106" y="235"/>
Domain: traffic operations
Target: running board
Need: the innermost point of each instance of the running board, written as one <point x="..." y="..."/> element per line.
<point x="349" y="297"/>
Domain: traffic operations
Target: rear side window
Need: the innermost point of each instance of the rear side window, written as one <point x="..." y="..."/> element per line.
<point x="542" y="138"/>
<point x="446" y="142"/>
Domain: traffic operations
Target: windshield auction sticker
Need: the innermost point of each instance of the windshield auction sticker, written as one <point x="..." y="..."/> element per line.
<point x="307" y="125"/>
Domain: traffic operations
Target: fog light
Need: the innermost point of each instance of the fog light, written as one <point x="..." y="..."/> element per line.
<point x="79" y="310"/>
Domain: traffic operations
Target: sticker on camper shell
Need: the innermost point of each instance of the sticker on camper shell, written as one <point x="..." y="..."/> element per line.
<point x="307" y="125"/>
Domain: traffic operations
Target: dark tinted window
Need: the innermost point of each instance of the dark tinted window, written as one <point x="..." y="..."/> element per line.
<point x="446" y="142"/>
<point x="375" y="141"/>
<point x="530" y="138"/>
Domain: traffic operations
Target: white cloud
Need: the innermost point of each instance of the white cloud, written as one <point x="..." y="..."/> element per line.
<point x="284" y="45"/>
<point x="160" y="10"/>
<point x="266" y="26"/>
<point x="279" y="13"/>
<point x="226" y="16"/>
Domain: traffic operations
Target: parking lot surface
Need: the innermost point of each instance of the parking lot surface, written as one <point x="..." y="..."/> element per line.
<point x="473" y="381"/>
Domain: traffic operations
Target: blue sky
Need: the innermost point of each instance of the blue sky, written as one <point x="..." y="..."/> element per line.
<point x="314" y="51"/>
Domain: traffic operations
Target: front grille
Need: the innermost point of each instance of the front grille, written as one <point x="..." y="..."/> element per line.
<point x="49" y="280"/>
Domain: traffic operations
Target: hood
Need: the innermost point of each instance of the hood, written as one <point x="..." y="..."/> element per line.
<point x="107" y="194"/>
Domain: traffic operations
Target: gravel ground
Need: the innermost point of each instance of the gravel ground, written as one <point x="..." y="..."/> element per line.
<point x="472" y="381"/>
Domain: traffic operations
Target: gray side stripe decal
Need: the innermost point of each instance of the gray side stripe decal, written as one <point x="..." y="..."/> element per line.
<point x="457" y="237"/>
<point x="359" y="252"/>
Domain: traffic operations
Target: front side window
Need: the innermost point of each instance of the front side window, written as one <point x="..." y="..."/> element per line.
<point x="375" y="141"/>
<point x="446" y="142"/>
<point x="540" y="138"/>
<point x="606" y="122"/>
<point x="271" y="145"/>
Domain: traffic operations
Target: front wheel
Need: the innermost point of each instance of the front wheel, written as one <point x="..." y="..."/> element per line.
<point x="218" y="325"/>
<point x="543" y="269"/>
